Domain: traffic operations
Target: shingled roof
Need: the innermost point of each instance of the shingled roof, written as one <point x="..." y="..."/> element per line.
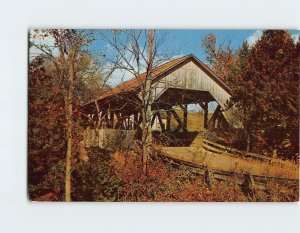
<point x="134" y="82"/>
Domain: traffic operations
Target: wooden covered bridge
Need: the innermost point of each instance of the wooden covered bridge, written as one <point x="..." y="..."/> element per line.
<point x="182" y="81"/>
<point x="179" y="82"/>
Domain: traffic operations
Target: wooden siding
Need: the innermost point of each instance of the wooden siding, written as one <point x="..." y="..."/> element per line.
<point x="108" y="138"/>
<point x="191" y="77"/>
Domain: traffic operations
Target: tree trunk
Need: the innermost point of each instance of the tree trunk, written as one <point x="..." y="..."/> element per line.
<point x="146" y="113"/>
<point x="146" y="139"/>
<point x="69" y="113"/>
<point x="98" y="115"/>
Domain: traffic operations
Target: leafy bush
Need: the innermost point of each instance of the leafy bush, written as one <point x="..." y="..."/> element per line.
<point x="93" y="180"/>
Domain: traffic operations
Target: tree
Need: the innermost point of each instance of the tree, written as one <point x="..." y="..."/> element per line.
<point x="129" y="49"/>
<point x="46" y="119"/>
<point x="221" y="59"/>
<point x="45" y="99"/>
<point x="241" y="84"/>
<point x="92" y="78"/>
<point x="68" y="43"/>
<point x="266" y="85"/>
<point x="148" y="101"/>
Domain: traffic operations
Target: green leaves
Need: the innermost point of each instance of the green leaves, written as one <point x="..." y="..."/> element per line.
<point x="94" y="180"/>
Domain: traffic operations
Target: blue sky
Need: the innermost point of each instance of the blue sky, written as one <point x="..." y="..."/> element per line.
<point x="179" y="42"/>
<point x="189" y="41"/>
<point x="184" y="42"/>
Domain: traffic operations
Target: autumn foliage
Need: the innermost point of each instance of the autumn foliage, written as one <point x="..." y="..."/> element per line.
<point x="264" y="79"/>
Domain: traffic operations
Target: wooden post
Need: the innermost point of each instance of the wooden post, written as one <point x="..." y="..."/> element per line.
<point x="125" y="122"/>
<point x="168" y="120"/>
<point x="140" y="119"/>
<point x="128" y="123"/>
<point x="99" y="123"/>
<point x="111" y="120"/>
<point x="153" y="118"/>
<point x="205" y="114"/>
<point x="209" y="178"/>
<point x="106" y="120"/>
<point x="185" y="115"/>
<point x="213" y="118"/>
<point x="249" y="186"/>
<point x="216" y="123"/>
<point x="119" y="123"/>
<point x="135" y="119"/>
<point x="162" y="126"/>
<point x="177" y="118"/>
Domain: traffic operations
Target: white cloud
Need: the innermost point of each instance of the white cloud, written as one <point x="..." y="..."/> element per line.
<point x="254" y="37"/>
<point x="296" y="37"/>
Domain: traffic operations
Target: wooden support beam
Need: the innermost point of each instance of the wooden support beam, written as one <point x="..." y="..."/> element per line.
<point x="140" y="119"/>
<point x="129" y="122"/>
<point x="100" y="121"/>
<point x="223" y="122"/>
<point x="182" y="106"/>
<point x="125" y="122"/>
<point x="212" y="121"/>
<point x="162" y="126"/>
<point x="169" y="116"/>
<point x="185" y="115"/>
<point x="111" y="120"/>
<point x="177" y="118"/>
<point x="153" y="118"/>
<point x="217" y="122"/>
<point x="119" y="123"/>
<point x="106" y="121"/>
<point x="135" y="120"/>
<point x="204" y="106"/>
<point x="118" y="120"/>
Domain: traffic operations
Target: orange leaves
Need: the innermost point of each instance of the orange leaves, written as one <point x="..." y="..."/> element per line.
<point x="221" y="59"/>
<point x="169" y="183"/>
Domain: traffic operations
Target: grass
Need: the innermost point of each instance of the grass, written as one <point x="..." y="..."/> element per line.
<point x="231" y="164"/>
<point x="192" y="152"/>
<point x="195" y="120"/>
<point x="172" y="182"/>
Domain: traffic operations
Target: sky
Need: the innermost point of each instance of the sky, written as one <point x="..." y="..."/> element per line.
<point x="179" y="43"/>
<point x="185" y="42"/>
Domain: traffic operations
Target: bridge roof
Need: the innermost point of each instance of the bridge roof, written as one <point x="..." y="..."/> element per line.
<point x="135" y="82"/>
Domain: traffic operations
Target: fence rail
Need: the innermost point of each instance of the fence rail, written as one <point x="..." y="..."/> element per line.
<point x="248" y="182"/>
<point x="219" y="149"/>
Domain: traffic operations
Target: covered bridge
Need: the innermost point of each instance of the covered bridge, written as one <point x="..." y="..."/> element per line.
<point x="179" y="82"/>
